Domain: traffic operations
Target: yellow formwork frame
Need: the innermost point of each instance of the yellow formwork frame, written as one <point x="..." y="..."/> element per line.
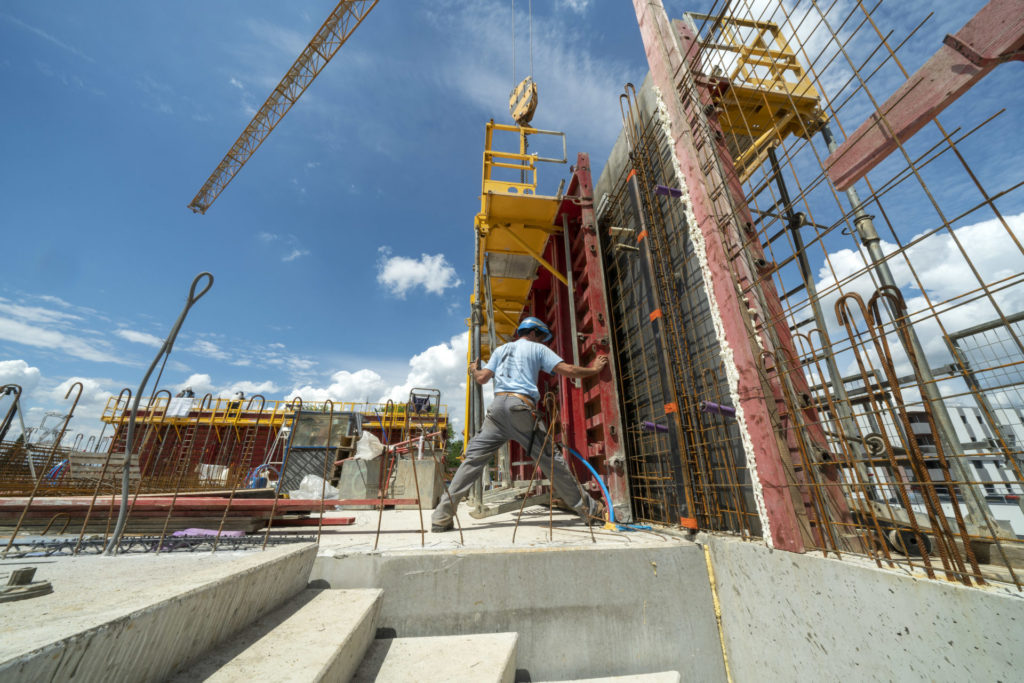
<point x="514" y="221"/>
<point x="768" y="96"/>
<point x="220" y="413"/>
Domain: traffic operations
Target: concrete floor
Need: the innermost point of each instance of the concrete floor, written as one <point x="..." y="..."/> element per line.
<point x="400" y="530"/>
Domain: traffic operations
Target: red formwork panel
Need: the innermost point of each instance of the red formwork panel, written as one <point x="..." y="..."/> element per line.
<point x="589" y="420"/>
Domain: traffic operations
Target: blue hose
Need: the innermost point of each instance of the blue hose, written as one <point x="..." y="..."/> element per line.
<point x="607" y="496"/>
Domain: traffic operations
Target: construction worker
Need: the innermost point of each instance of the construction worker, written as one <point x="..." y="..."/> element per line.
<point x="513" y="416"/>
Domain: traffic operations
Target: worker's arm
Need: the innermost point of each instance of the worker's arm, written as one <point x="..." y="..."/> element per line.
<point x="480" y="376"/>
<point x="578" y="371"/>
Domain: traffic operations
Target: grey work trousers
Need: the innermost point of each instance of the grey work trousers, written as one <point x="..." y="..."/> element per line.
<point x="509" y="418"/>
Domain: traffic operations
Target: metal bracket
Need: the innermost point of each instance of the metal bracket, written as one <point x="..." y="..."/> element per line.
<point x="974" y="57"/>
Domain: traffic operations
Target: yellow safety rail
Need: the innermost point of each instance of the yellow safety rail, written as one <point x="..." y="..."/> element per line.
<point x="228" y="412"/>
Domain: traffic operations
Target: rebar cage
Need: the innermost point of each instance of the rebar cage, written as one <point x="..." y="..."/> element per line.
<point x="885" y="325"/>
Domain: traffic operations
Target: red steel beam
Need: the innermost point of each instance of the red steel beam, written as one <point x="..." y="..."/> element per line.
<point x="162" y="504"/>
<point x="993" y="36"/>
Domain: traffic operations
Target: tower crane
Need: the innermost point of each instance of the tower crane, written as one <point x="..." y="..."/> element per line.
<point x="336" y="29"/>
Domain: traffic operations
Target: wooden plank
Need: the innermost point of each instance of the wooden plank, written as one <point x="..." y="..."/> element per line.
<point x="992" y="36"/>
<point x="313" y="521"/>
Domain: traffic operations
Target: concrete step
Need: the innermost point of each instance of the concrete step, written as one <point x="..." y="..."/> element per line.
<point x="139" y="617"/>
<point x="660" y="677"/>
<point x="472" y="658"/>
<point x="320" y="635"/>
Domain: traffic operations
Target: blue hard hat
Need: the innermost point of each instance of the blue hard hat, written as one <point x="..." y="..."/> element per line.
<point x="532" y="323"/>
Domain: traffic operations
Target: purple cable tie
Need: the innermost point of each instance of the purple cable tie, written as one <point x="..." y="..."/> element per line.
<point x="654" y="427"/>
<point x="666" y="190"/>
<point x="717" y="409"/>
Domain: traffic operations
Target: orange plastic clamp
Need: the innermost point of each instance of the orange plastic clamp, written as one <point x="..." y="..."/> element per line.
<point x="641" y="236"/>
<point x="671" y="408"/>
<point x="655" y="314"/>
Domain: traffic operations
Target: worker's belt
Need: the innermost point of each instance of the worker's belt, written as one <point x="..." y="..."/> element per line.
<point x="522" y="397"/>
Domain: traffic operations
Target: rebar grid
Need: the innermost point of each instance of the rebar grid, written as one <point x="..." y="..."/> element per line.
<point x="665" y="377"/>
<point x="884" y="327"/>
<point x="212" y="450"/>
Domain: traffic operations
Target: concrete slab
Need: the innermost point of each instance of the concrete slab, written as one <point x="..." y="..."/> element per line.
<point x="660" y="677"/>
<point x="400" y="530"/>
<point x="445" y="659"/>
<point x="136" y="617"/>
<point x="798" y="617"/>
<point x="320" y="635"/>
<point x="627" y="603"/>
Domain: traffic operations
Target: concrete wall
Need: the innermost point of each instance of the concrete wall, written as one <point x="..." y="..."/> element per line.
<point x="579" y="612"/>
<point x="803" y="617"/>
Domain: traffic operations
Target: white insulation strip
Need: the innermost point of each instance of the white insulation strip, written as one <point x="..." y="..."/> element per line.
<point x="731" y="373"/>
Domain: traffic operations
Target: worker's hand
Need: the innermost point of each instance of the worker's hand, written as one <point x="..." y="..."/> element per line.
<point x="599" y="363"/>
<point x="475" y="365"/>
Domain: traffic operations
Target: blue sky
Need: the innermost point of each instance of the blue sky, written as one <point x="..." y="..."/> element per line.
<point x="118" y="112"/>
<point x="342" y="252"/>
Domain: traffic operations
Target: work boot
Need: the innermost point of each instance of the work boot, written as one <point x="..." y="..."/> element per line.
<point x="600" y="514"/>
<point x="441" y="528"/>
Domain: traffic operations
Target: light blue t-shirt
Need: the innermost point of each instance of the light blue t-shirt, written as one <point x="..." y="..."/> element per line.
<point x="516" y="365"/>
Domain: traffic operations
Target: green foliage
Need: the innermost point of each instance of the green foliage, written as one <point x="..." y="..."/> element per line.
<point x="453" y="453"/>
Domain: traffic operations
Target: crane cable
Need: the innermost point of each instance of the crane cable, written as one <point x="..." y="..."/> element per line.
<point x="530" y="11"/>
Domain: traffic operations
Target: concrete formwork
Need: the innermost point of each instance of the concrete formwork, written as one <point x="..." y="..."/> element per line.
<point x="801" y="617"/>
<point x="579" y="611"/>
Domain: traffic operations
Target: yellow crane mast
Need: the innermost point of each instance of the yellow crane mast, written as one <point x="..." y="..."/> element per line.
<point x="336" y="29"/>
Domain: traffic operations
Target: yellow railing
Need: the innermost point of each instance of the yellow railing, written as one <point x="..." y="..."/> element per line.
<point x="226" y="411"/>
<point x="521" y="161"/>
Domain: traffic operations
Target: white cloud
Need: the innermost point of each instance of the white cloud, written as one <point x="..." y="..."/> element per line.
<point x="399" y="274"/>
<point x="294" y="254"/>
<point x="34" y="314"/>
<point x="291" y="243"/>
<point x="93" y="399"/>
<point x="21" y="373"/>
<point x="201" y="383"/>
<point x="442" y="367"/>
<point x="39" y="337"/>
<point x="252" y="388"/>
<point x="206" y="348"/>
<point x="54" y="300"/>
<point x="47" y="37"/>
<point x="140" y="337"/>
<point x="577" y="6"/>
<point x="942" y="271"/>
<point x="362" y="385"/>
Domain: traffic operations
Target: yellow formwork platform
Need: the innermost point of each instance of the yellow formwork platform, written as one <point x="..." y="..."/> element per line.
<point x="512" y="230"/>
<point x="221" y="412"/>
<point x="764" y="95"/>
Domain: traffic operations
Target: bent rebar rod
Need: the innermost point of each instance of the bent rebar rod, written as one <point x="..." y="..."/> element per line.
<point x="164" y="353"/>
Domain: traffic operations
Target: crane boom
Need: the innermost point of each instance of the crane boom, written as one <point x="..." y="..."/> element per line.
<point x="339" y="25"/>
